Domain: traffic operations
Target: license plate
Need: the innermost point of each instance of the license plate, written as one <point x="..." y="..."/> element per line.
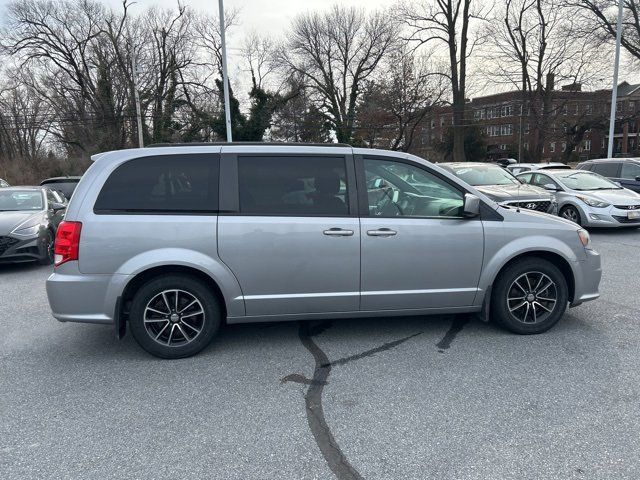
<point x="633" y="215"/>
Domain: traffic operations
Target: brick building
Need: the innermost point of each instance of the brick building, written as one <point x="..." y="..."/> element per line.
<point x="575" y="126"/>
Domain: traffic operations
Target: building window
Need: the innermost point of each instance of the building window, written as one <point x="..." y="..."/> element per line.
<point x="525" y="145"/>
<point x="526" y="128"/>
<point x="564" y="146"/>
<point x="552" y="147"/>
<point x="587" y="145"/>
<point x="433" y="124"/>
<point x="589" y="109"/>
<point x="632" y="106"/>
<point x="565" y="109"/>
<point x="442" y="121"/>
<point x="577" y="110"/>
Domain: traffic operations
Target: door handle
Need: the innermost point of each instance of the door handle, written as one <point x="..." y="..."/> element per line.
<point x="381" y="232"/>
<point x="338" y="232"/>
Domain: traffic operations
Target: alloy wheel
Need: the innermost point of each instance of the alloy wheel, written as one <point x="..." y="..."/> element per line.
<point x="532" y="297"/>
<point x="571" y="214"/>
<point x="174" y="318"/>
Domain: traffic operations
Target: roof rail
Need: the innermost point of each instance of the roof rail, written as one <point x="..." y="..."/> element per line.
<point x="242" y="144"/>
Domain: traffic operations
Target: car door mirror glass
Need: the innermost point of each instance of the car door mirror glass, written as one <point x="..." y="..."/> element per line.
<point x="56" y="207"/>
<point x="551" y="187"/>
<point x="471" y="205"/>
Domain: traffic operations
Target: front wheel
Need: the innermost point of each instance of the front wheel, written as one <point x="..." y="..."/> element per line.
<point x="571" y="213"/>
<point x="174" y="316"/>
<point x="47" y="249"/>
<point x="530" y="296"/>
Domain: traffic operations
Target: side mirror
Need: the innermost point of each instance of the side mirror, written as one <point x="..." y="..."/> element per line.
<point x="618" y="184"/>
<point x="551" y="187"/>
<point x="471" y="206"/>
<point x="637" y="179"/>
<point x="56" y="207"/>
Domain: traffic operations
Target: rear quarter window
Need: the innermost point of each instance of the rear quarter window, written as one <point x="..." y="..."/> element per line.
<point x="162" y="184"/>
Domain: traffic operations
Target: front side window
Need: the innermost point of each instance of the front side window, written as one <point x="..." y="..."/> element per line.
<point x="162" y="184"/>
<point x="397" y="189"/>
<point x="293" y="186"/>
<point x="630" y="171"/>
<point x="540" y="180"/>
<point x="525" y="177"/>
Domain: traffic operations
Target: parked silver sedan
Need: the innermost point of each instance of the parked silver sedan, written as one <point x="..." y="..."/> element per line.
<point x="589" y="199"/>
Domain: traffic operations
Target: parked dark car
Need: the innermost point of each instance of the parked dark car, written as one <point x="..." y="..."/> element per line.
<point x="625" y="171"/>
<point x="29" y="218"/>
<point x="64" y="185"/>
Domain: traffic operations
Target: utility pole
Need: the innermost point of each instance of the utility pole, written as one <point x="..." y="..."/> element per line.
<point x="225" y="76"/>
<point x="614" y="91"/>
<point x="134" y="69"/>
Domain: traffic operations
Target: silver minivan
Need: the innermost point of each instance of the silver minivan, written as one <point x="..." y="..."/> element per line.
<point x="173" y="241"/>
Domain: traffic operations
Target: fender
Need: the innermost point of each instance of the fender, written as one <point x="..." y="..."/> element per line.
<point x="212" y="267"/>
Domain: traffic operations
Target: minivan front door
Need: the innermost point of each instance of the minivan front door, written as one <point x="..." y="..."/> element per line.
<point x="418" y="252"/>
<point x="294" y="243"/>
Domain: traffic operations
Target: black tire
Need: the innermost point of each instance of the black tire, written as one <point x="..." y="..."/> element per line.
<point x="523" y="320"/>
<point x="571" y="213"/>
<point x="46" y="249"/>
<point x="207" y="323"/>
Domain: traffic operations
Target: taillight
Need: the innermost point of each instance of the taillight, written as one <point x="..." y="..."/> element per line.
<point x="67" y="242"/>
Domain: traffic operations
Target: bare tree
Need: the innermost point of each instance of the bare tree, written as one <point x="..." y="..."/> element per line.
<point x="599" y="21"/>
<point x="533" y="46"/>
<point x="335" y="53"/>
<point x="393" y="106"/>
<point x="448" y="23"/>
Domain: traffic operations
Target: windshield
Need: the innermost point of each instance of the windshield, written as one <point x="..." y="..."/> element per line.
<point x="17" y="200"/>
<point x="585" y="181"/>
<point x="478" y="175"/>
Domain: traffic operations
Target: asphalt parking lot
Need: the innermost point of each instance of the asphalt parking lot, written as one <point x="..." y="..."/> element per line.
<point x="409" y="398"/>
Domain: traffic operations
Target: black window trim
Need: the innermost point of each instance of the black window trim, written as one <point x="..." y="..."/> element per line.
<point x="230" y="189"/>
<point x="215" y="156"/>
<point x="363" y="194"/>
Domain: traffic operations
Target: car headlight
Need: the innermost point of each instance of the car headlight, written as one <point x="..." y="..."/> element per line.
<point x="27" y="231"/>
<point x="585" y="238"/>
<point x="593" y="202"/>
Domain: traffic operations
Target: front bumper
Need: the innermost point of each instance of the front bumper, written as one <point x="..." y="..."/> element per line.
<point x="588" y="273"/>
<point x="76" y="297"/>
<point x="611" y="217"/>
<point x="15" y="248"/>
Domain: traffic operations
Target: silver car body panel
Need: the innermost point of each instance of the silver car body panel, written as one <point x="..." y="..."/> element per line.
<point x="285" y="268"/>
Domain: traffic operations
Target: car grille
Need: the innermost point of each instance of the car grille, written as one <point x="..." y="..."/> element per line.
<point x="540" y="206"/>
<point x="626" y="220"/>
<point x="628" y="207"/>
<point x="6" y="243"/>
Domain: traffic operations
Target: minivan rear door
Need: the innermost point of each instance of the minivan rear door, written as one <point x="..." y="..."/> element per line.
<point x="418" y="252"/>
<point x="289" y="231"/>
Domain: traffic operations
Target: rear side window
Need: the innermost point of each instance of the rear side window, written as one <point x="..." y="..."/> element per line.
<point x="607" y="169"/>
<point x="293" y="186"/>
<point x="162" y="184"/>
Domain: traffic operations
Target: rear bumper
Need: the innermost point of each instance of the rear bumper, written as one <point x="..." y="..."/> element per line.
<point x="76" y="297"/>
<point x="587" y="278"/>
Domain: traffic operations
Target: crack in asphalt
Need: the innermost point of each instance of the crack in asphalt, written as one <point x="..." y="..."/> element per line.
<point x="321" y="431"/>
<point x="459" y="321"/>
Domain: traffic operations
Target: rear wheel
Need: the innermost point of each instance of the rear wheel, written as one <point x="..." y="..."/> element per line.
<point x="530" y="296"/>
<point x="174" y="316"/>
<point x="571" y="213"/>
